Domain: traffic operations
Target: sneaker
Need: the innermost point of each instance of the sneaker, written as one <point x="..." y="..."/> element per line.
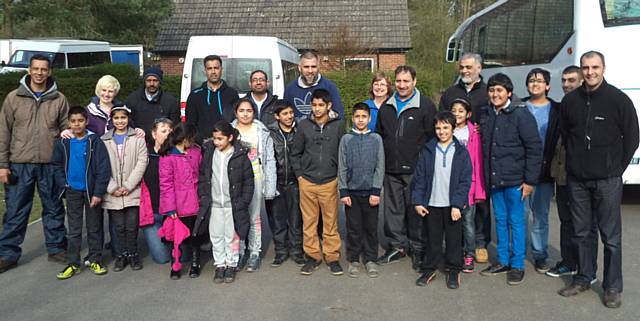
<point x="541" y="266"/>
<point x="69" y="271"/>
<point x="354" y="269"/>
<point x="515" y="276"/>
<point x="335" y="268"/>
<point x="298" y="259"/>
<point x="391" y="256"/>
<point x="426" y="277"/>
<point x="593" y="281"/>
<point x="218" y="277"/>
<point x="59" y="257"/>
<point x="279" y="259"/>
<point x="612" y="298"/>
<point x="573" y="289"/>
<point x="135" y="262"/>
<point x="6" y="265"/>
<point x="97" y="268"/>
<point x="229" y="275"/>
<point x="253" y="264"/>
<point x="86" y="261"/>
<point x="175" y="275"/>
<point x="495" y="270"/>
<point x="309" y="266"/>
<point x="453" y="280"/>
<point x="120" y="263"/>
<point x="372" y="269"/>
<point x="467" y="267"/>
<point x="561" y="270"/>
<point x="482" y="256"/>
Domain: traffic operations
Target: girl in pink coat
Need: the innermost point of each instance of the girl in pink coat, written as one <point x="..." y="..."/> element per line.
<point x="467" y="135"/>
<point x="179" y="166"/>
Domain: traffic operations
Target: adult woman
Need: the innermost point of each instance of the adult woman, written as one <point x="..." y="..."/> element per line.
<point x="100" y="106"/>
<point x="380" y="91"/>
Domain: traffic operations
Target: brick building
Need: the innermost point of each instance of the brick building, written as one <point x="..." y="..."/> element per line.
<point x="365" y="34"/>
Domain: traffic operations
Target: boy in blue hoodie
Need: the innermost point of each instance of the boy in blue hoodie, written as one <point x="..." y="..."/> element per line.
<point x="81" y="167"/>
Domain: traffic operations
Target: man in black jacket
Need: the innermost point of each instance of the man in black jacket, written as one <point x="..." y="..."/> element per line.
<point x="600" y="131"/>
<point x="211" y="102"/>
<point x="405" y="123"/>
<point x="263" y="100"/>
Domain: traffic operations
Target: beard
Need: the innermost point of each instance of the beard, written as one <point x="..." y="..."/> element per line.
<point x="310" y="82"/>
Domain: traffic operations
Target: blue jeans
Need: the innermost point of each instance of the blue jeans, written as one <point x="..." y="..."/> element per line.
<point x="508" y="208"/>
<point x="157" y="249"/>
<point x="537" y="207"/>
<point x="19" y="200"/>
<point x="469" y="229"/>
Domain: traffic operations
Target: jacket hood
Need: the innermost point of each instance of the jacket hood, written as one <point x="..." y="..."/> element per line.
<point x="25" y="90"/>
<point x="94" y="107"/>
<point x="262" y="129"/>
<point x="301" y="84"/>
<point x="333" y="115"/>
<point x="476" y="85"/>
<point x="109" y="134"/>
<point x="222" y="87"/>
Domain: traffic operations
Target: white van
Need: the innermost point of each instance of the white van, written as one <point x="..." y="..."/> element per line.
<point x="240" y="56"/>
<point x="62" y="53"/>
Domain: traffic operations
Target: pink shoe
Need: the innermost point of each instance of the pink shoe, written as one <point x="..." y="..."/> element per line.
<point x="468" y="264"/>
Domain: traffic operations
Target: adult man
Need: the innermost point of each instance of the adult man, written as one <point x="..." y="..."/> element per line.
<point x="150" y="102"/>
<point x="262" y="99"/>
<point x="571" y="78"/>
<point x="212" y="102"/>
<point x="473" y="89"/>
<point x="299" y="91"/>
<point x="600" y="131"/>
<point x="32" y="116"/>
<point x="405" y="123"/>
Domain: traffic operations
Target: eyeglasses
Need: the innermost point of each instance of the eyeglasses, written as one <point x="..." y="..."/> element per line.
<point x="537" y="81"/>
<point x="258" y="80"/>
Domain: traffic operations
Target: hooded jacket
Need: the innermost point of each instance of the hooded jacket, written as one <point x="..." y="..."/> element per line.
<point x="282" y="145"/>
<point x="299" y="95"/>
<point x="98" y="121"/>
<point x="477" y="192"/>
<point x="266" y="110"/>
<point x="205" y="107"/>
<point x="267" y="159"/>
<point x="179" y="181"/>
<point x="29" y="125"/>
<point x="360" y="164"/>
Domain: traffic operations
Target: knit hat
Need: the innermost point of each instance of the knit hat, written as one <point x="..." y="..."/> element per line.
<point x="153" y="71"/>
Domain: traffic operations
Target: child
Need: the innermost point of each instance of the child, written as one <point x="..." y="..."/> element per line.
<point x="128" y="157"/>
<point x="255" y="136"/>
<point x="225" y="188"/>
<point x="360" y="177"/>
<point x="439" y="192"/>
<point x="466" y="133"/>
<point x="178" y="168"/>
<point x="314" y="156"/>
<point x="512" y="162"/>
<point x="284" y="214"/>
<point x="82" y="168"/>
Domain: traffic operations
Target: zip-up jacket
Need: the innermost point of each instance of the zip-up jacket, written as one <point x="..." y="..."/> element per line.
<point x="477" y="97"/>
<point x="206" y="107"/>
<point x="361" y="164"/>
<point x="314" y="153"/>
<point x="266" y="158"/>
<point x="550" y="141"/>
<point x="145" y="112"/>
<point x="241" y="187"/>
<point x="266" y="110"/>
<point x="282" y="146"/>
<point x="97" y="170"/>
<point x="98" y="121"/>
<point x="179" y="181"/>
<point x="600" y="132"/>
<point x="460" y="179"/>
<point x="29" y="125"/>
<point x="404" y="134"/>
<point x="477" y="192"/>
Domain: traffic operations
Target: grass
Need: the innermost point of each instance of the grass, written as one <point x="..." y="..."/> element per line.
<point x="36" y="210"/>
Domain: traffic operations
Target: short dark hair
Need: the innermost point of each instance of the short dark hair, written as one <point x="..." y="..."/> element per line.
<point x="590" y="54"/>
<point x="211" y="58"/>
<point x="405" y="68"/>
<point x="500" y="79"/>
<point x="281" y="105"/>
<point x="266" y="77"/>
<point x="571" y="69"/>
<point x="445" y="117"/>
<point x="41" y="58"/>
<point x="462" y="102"/>
<point x="309" y="54"/>
<point x="225" y="128"/>
<point x="78" y="110"/>
<point x="361" y="106"/>
<point x="323" y="94"/>
<point x="539" y="71"/>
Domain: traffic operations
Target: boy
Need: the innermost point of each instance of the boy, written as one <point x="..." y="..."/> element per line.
<point x="314" y="156"/>
<point x="439" y="193"/>
<point x="512" y="160"/>
<point x="82" y="168"/>
<point x="360" y="178"/>
<point x="284" y="214"/>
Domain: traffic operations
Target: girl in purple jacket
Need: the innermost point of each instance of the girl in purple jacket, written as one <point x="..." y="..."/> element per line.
<point x="179" y="166"/>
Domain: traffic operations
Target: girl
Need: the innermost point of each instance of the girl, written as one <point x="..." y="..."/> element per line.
<point x="256" y="137"/>
<point x="179" y="166"/>
<point x="379" y="92"/>
<point x="225" y="187"/>
<point x="128" y="157"/>
<point x="468" y="136"/>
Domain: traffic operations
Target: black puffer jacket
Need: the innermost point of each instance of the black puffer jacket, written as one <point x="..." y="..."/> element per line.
<point x="282" y="145"/>
<point x="241" y="187"/>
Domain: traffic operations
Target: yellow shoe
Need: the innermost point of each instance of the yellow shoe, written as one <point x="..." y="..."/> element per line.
<point x="69" y="271"/>
<point x="97" y="268"/>
<point x="482" y="256"/>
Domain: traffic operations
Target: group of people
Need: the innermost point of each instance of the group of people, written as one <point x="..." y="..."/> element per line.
<point x="436" y="173"/>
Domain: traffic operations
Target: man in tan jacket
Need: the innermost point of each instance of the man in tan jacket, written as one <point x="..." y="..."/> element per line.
<point x="32" y="116"/>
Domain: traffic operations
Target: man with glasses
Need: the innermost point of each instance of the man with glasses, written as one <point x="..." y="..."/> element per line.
<point x="263" y="100"/>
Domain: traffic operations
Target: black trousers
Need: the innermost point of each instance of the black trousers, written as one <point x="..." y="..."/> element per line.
<point x="126" y="222"/>
<point x="437" y="223"/>
<point x="77" y="209"/>
<point x="285" y="220"/>
<point x="362" y="230"/>
<point x="483" y="223"/>
<point x="597" y="201"/>
<point x="401" y="224"/>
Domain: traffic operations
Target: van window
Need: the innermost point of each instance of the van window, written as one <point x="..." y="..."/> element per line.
<point x="85" y="59"/>
<point x="21" y="58"/>
<point x="235" y="71"/>
<point x="290" y="71"/>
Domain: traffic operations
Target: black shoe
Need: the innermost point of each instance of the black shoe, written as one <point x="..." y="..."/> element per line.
<point x="426" y="277"/>
<point x="391" y="256"/>
<point x="298" y="259"/>
<point x="6" y="265"/>
<point x="416" y="261"/>
<point x="229" y="275"/>
<point x="515" y="276"/>
<point x="194" y="270"/>
<point x="120" y="263"/>
<point x="135" y="262"/>
<point x="541" y="266"/>
<point x="612" y="298"/>
<point x="309" y="266"/>
<point x="495" y="269"/>
<point x="561" y="270"/>
<point x="574" y="289"/>
<point x="175" y="275"/>
<point x="335" y="268"/>
<point x="218" y="277"/>
<point x="279" y="259"/>
<point x="453" y="280"/>
<point x="242" y="262"/>
<point x="59" y="257"/>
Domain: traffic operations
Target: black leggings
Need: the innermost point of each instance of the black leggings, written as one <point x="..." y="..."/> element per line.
<point x="126" y="222"/>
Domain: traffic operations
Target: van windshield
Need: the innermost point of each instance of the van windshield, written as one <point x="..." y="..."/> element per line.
<point x="235" y="72"/>
<point x="21" y="58"/>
